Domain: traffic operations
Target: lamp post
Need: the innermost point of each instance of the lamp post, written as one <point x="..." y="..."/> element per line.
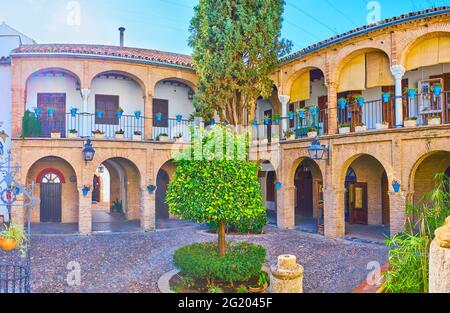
<point x="316" y="150"/>
<point x="88" y="151"/>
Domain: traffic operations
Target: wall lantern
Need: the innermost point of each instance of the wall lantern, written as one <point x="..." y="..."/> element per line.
<point x="88" y="151"/>
<point x="316" y="150"/>
<point x="396" y="185"/>
<point x="101" y="169"/>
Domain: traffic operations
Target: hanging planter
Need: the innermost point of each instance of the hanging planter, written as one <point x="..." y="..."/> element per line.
<point x="437" y="89"/>
<point x="73" y="112"/>
<point x="100" y="115"/>
<point x="360" y="101"/>
<point x="50" y="112"/>
<point x="255" y="123"/>
<point x="119" y="113"/>
<point x="386" y="97"/>
<point x="151" y="189"/>
<point x="266" y="120"/>
<point x="179" y="118"/>
<point x="291" y="115"/>
<point x="278" y="186"/>
<point x="159" y="117"/>
<point x="412" y="93"/>
<point x="396" y="185"/>
<point x="85" y="190"/>
<point x="276" y="119"/>
<point x="314" y="110"/>
<point x="37" y="111"/>
<point x="301" y="113"/>
<point x="137" y="114"/>
<point x="342" y="103"/>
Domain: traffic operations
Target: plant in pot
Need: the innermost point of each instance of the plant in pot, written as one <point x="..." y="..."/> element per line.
<point x="98" y="134"/>
<point x="119" y="113"/>
<point x="411" y="93"/>
<point x="159" y="117"/>
<point x="14" y="237"/>
<point x="301" y="112"/>
<point x="360" y="100"/>
<point x="179" y="137"/>
<point x="37" y="112"/>
<point x="434" y="120"/>
<point x="85" y="190"/>
<point x="138" y="114"/>
<point x="386" y="96"/>
<point x="289" y="135"/>
<point x="437" y="89"/>
<point x="50" y="112"/>
<point x="411" y="121"/>
<point x="382" y="125"/>
<point x="55" y="134"/>
<point x="151" y="188"/>
<point x="179" y="118"/>
<point x="342" y="103"/>
<point x="276" y="119"/>
<point x="120" y="134"/>
<point x="266" y="120"/>
<point x="73" y="112"/>
<point x="314" y="109"/>
<point x="312" y="132"/>
<point x="99" y="114"/>
<point x="73" y="133"/>
<point x="255" y="123"/>
<point x="344" y="128"/>
<point x="137" y="135"/>
<point x="291" y="115"/>
<point x="360" y="127"/>
<point x="163" y="137"/>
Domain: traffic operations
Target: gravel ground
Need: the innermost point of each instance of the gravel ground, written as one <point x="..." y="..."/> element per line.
<point x="134" y="262"/>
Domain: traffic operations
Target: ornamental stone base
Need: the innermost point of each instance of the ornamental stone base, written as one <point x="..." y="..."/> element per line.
<point x="440" y="260"/>
<point x="286" y="276"/>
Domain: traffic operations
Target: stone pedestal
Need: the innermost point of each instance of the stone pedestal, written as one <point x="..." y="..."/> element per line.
<point x="440" y="260"/>
<point x="286" y="276"/>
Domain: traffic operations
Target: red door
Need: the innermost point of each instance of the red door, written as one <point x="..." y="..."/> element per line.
<point x="57" y="122"/>
<point x="358" y="203"/>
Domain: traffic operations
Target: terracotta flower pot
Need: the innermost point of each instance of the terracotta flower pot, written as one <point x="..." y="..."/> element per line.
<point x="9" y="244"/>
<point x="258" y="289"/>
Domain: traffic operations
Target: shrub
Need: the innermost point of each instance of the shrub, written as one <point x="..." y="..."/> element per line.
<point x="202" y="260"/>
<point x="31" y="125"/>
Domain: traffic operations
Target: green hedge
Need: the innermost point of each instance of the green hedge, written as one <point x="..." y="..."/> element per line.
<point x="242" y="262"/>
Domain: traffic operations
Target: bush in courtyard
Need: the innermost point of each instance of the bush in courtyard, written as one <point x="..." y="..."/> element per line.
<point x="242" y="262"/>
<point x="409" y="253"/>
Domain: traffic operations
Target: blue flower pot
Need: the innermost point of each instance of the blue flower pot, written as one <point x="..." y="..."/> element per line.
<point x="151" y="188"/>
<point x="360" y="102"/>
<point x="179" y="118"/>
<point x="291" y="115"/>
<point x="37" y="111"/>
<point x="437" y="90"/>
<point x="301" y="113"/>
<point x="314" y="111"/>
<point x="50" y="112"/>
<point x="278" y="186"/>
<point x="212" y="122"/>
<point x="137" y="114"/>
<point x="411" y="94"/>
<point x="119" y="114"/>
<point x="73" y="112"/>
<point x="158" y="117"/>
<point x="396" y="187"/>
<point x="100" y="114"/>
<point x="276" y="121"/>
<point x="342" y="104"/>
<point x="386" y="97"/>
<point x="255" y="123"/>
<point x="85" y="191"/>
<point x="267" y="121"/>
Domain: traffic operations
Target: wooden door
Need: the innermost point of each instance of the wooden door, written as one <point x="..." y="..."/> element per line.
<point x="162" y="181"/>
<point x="388" y="109"/>
<point x="270" y="187"/>
<point x="96" y="189"/>
<point x="161" y="106"/>
<point x="57" y="122"/>
<point x="304" y="185"/>
<point x="50" y="203"/>
<point x="323" y="114"/>
<point x="385" y="200"/>
<point x="358" y="203"/>
<point x="108" y="105"/>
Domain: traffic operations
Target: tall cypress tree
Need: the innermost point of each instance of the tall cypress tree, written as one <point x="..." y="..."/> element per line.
<point x="236" y="46"/>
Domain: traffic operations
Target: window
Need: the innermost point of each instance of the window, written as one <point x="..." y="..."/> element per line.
<point x="108" y="105"/>
<point x="51" y="178"/>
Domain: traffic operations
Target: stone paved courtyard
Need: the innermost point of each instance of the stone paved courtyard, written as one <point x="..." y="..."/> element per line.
<point x="133" y="262"/>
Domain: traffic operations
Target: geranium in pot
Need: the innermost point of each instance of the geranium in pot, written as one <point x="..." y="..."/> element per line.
<point x="120" y="134"/>
<point x="434" y="120"/>
<point x="344" y="128"/>
<point x="179" y="137"/>
<point x="98" y="134"/>
<point x="55" y="134"/>
<point x="289" y="135"/>
<point x="312" y="132"/>
<point x="73" y="133"/>
<point x="119" y="113"/>
<point x="360" y="127"/>
<point x="411" y="122"/>
<point x="437" y="89"/>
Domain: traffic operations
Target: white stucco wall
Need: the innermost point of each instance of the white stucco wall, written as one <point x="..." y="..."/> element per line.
<point x="179" y="102"/>
<point x="5" y="103"/>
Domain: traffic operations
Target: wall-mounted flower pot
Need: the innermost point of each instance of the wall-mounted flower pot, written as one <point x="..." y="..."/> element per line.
<point x="137" y="114"/>
<point x="73" y="112"/>
<point x="410" y="123"/>
<point x="411" y="93"/>
<point x="396" y="185"/>
<point x="360" y="102"/>
<point x="312" y="134"/>
<point x="212" y="122"/>
<point x="344" y="130"/>
<point x="85" y="191"/>
<point x="291" y="115"/>
<point x="151" y="189"/>
<point x="314" y="111"/>
<point x="360" y="129"/>
<point x="37" y="112"/>
<point x="119" y="114"/>
<point x="437" y="90"/>
<point x="276" y="121"/>
<point x="386" y="97"/>
<point x="99" y="115"/>
<point x="50" y="112"/>
<point x="179" y="118"/>
<point x="342" y="104"/>
<point x="278" y="186"/>
<point x="255" y="123"/>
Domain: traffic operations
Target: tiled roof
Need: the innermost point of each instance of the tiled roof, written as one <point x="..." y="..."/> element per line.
<point x="367" y="28"/>
<point x="110" y="51"/>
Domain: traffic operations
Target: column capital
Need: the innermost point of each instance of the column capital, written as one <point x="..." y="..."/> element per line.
<point x="398" y="71"/>
<point x="85" y="92"/>
<point x="284" y="99"/>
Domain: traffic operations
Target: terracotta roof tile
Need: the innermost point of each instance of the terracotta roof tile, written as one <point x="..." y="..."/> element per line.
<point x="103" y="50"/>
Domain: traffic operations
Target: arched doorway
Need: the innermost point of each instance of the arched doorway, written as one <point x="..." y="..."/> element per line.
<point x="51" y="197"/>
<point x="163" y="178"/>
<point x="308" y="182"/>
<point x="350" y="178"/>
<point x="96" y="189"/>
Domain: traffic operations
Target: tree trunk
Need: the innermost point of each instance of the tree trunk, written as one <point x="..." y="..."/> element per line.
<point x="222" y="244"/>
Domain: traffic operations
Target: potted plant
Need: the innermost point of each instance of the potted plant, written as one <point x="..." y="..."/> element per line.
<point x="50" y="112"/>
<point x="37" y="112"/>
<point x="291" y="115"/>
<point x="85" y="190"/>
<point x="360" y="127"/>
<point x="73" y="112"/>
<point x="275" y="138"/>
<point x="99" y="114"/>
<point x="411" y="122"/>
<point x="179" y="118"/>
<point x="73" y="133"/>
<point x="434" y="120"/>
<point x="98" y="134"/>
<point x="120" y="134"/>
<point x="437" y="89"/>
<point x="163" y="137"/>
<point x="386" y="96"/>
<point x="301" y="112"/>
<point x="137" y="135"/>
<point x="159" y="117"/>
<point x="263" y="141"/>
<point x="55" y="134"/>
<point x="312" y="132"/>
<point x="314" y="109"/>
<point x="342" y="103"/>
<point x="276" y="118"/>
<point x="137" y="114"/>
<point x="263" y="283"/>
<point x="396" y="185"/>
<point x="13" y="237"/>
<point x="411" y="93"/>
<point x="382" y="125"/>
<point x="289" y="135"/>
<point x="255" y="123"/>
<point x="179" y="137"/>
<point x="119" y="113"/>
<point x="344" y="128"/>
<point x="266" y="120"/>
<point x="360" y="100"/>
<point x="151" y="188"/>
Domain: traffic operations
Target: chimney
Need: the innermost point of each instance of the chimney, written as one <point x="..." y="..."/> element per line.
<point x="122" y="31"/>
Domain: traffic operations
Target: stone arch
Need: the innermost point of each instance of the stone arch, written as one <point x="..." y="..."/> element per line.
<point x="164" y="175"/>
<point x="135" y="77"/>
<point x="50" y="69"/>
<point x="297" y="72"/>
<point x="319" y="168"/>
<point x="188" y="81"/>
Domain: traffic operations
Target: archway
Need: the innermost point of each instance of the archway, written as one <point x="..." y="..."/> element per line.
<point x="163" y="178"/>
<point x="56" y="192"/>
<point x="267" y="180"/>
<point x="308" y="182"/>
<point x="366" y="199"/>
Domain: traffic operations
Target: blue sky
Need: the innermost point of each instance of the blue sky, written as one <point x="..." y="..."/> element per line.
<point x="163" y="24"/>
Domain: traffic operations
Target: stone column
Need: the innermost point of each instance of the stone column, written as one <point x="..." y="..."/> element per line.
<point x="286" y="208"/>
<point x="398" y="71"/>
<point x="332" y="108"/>
<point x="397" y="205"/>
<point x="85" y="93"/>
<point x="84" y="212"/>
<point x="286" y="276"/>
<point x="334" y="213"/>
<point x="284" y="101"/>
<point x="148" y="114"/>
<point x="148" y="222"/>
<point x="439" y="273"/>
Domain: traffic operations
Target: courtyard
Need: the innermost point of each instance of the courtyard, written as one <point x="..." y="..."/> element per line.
<point x="133" y="262"/>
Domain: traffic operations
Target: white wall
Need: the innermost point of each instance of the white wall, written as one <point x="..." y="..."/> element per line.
<point x="5" y="103"/>
<point x="179" y="102"/>
<point x="318" y="89"/>
<point x="424" y="73"/>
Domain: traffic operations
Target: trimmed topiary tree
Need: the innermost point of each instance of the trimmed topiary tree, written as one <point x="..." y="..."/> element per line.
<point x="215" y="183"/>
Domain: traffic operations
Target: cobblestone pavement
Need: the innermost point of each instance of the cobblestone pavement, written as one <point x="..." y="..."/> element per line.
<point x="133" y="262"/>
